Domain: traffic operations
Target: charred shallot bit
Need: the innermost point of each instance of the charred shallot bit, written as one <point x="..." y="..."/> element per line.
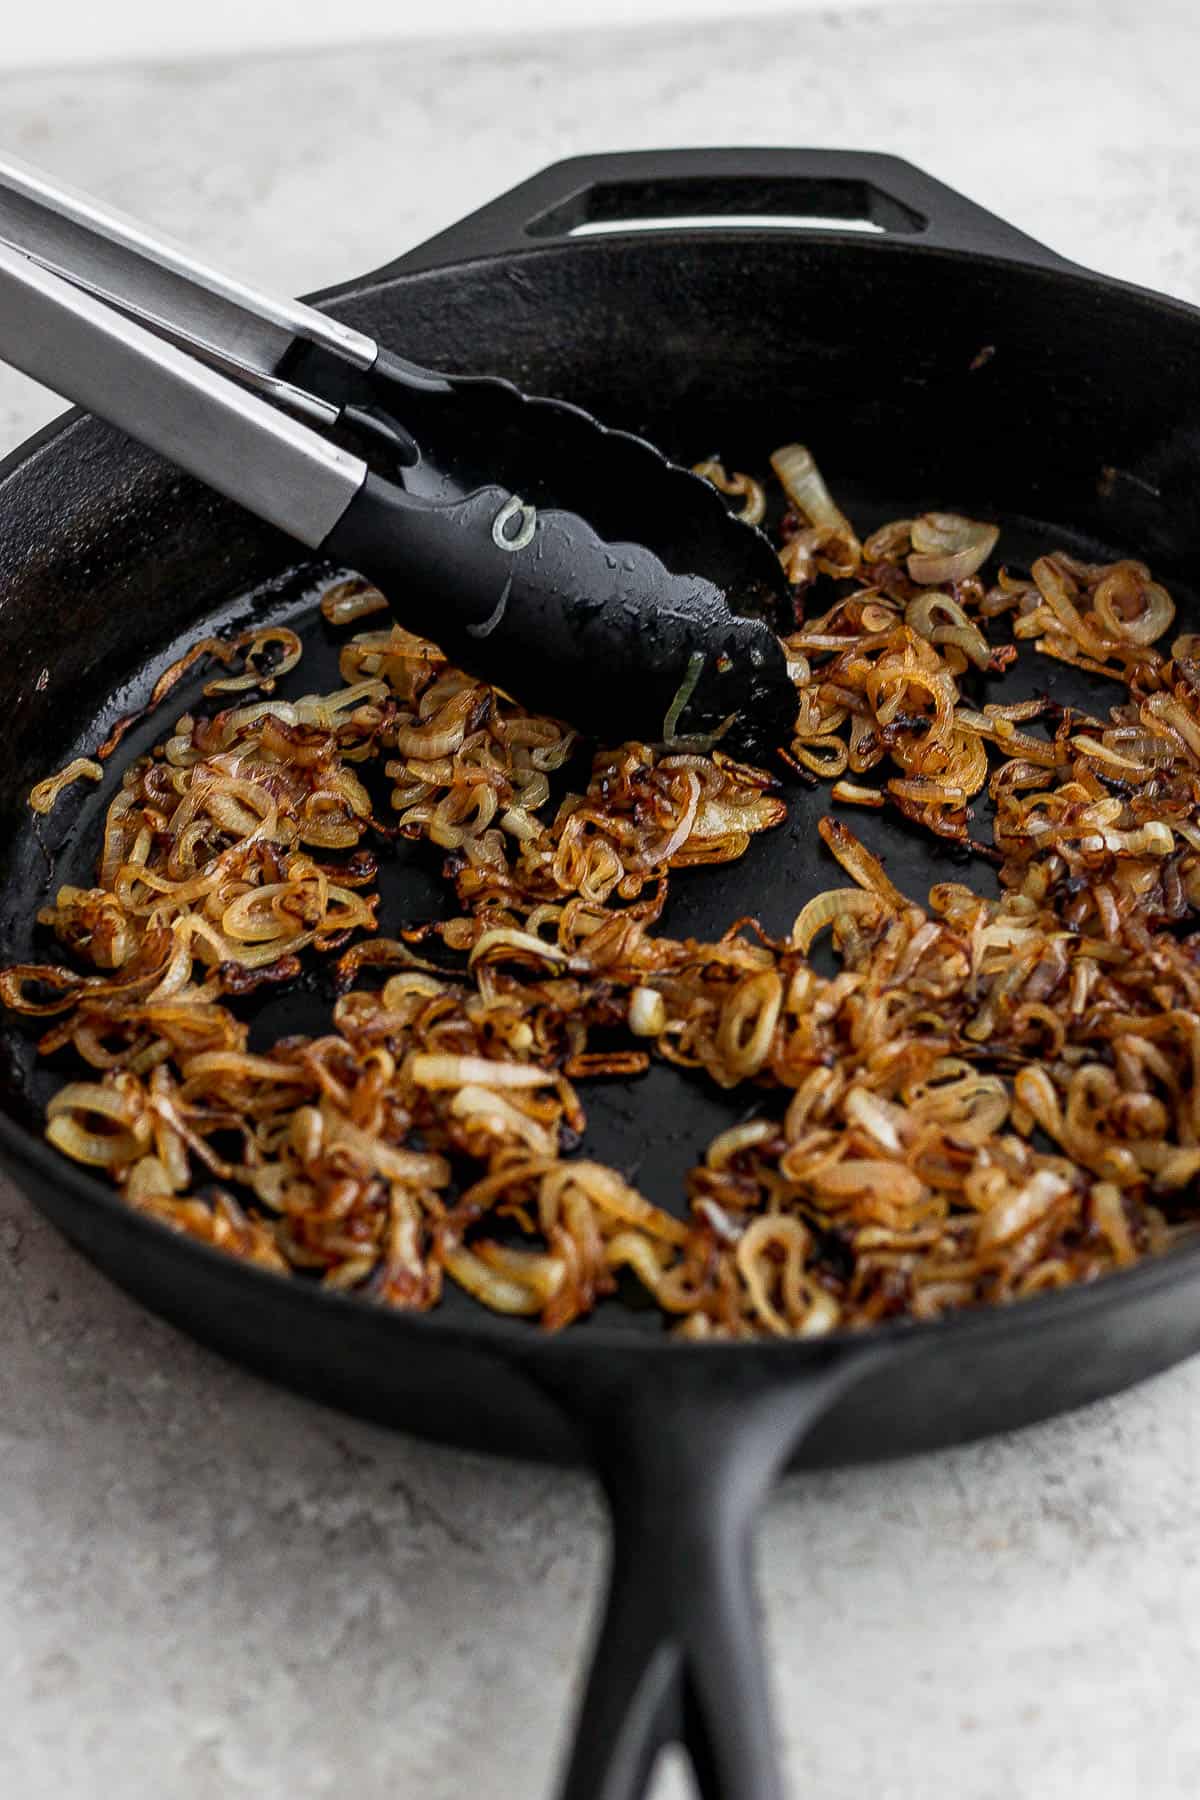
<point x="977" y="1100"/>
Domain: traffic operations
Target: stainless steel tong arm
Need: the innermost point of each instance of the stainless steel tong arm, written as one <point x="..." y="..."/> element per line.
<point x="99" y="249"/>
<point x="78" y="345"/>
<point x="96" y="308"/>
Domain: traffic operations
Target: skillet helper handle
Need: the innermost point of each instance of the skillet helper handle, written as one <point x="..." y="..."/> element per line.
<point x="687" y="1455"/>
<point x="783" y="188"/>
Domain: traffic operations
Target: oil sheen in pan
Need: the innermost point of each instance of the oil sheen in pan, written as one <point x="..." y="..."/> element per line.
<point x="771" y="882"/>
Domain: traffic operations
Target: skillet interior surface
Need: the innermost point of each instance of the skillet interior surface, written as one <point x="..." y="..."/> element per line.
<point x="1064" y="408"/>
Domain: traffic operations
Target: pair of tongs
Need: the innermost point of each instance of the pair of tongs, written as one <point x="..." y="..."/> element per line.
<point x="571" y="565"/>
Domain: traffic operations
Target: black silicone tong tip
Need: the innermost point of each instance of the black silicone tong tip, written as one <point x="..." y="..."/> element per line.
<point x="600" y="633"/>
<point x="481" y="430"/>
<point x="572" y="565"/>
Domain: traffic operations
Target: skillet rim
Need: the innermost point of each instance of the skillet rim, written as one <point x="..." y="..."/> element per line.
<point x="21" y="1149"/>
<point x="520" y="1339"/>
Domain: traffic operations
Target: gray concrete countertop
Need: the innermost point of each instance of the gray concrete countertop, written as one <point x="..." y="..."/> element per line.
<point x="209" y="1588"/>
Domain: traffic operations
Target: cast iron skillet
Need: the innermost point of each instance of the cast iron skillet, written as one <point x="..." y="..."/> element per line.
<point x="944" y="360"/>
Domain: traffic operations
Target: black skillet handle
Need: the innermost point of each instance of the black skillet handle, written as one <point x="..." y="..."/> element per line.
<point x="619" y="192"/>
<point x="687" y="1449"/>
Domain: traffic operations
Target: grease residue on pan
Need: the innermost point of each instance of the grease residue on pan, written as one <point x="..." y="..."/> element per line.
<point x="771" y="882"/>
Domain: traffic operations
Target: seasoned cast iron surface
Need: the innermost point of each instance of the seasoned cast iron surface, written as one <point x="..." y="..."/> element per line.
<point x="920" y="378"/>
<point x="652" y="1128"/>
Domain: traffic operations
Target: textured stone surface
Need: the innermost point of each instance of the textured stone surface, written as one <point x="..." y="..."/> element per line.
<point x="211" y="1589"/>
